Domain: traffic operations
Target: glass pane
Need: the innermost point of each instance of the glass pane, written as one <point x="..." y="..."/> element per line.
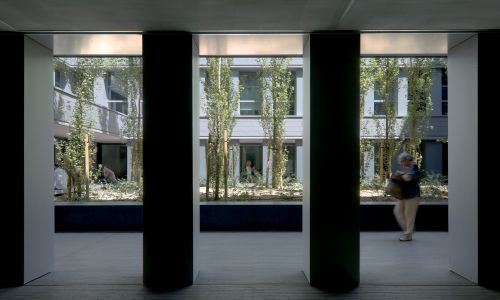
<point x="250" y="112"/>
<point x="117" y="96"/>
<point x="290" y="164"/>
<point x="444" y="108"/>
<point x="58" y="81"/>
<point x="293" y="97"/>
<point x="250" y="108"/>
<point x="248" y="80"/>
<point x="248" y="105"/>
<point x="377" y="95"/>
<point x="444" y="93"/>
<point x="378" y="108"/>
<point x="444" y="77"/>
<point x="250" y="161"/>
<point x="118" y="106"/>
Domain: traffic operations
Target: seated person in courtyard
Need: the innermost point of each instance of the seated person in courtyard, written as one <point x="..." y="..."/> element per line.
<point x="60" y="180"/>
<point x="249" y="171"/>
<point x="109" y="175"/>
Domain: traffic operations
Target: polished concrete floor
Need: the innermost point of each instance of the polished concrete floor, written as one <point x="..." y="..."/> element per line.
<point x="256" y="265"/>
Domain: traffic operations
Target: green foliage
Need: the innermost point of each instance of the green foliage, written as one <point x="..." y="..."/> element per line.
<point x="128" y="73"/>
<point x="434" y="186"/>
<point x="367" y="72"/>
<point x="72" y="152"/>
<point x="419" y="74"/>
<point x="124" y="186"/>
<point x="374" y="183"/>
<point x="220" y="104"/>
<point x="275" y="82"/>
<point x="386" y="71"/>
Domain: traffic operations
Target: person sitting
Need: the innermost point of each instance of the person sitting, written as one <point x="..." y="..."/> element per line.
<point x="60" y="180"/>
<point x="109" y="175"/>
<point x="249" y="171"/>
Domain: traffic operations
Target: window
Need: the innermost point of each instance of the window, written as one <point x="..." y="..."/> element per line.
<point x="378" y="101"/>
<point x="58" y="79"/>
<point x="444" y="92"/>
<point x="116" y="100"/>
<point x="290" y="170"/>
<point x="253" y="154"/>
<point x="293" y="97"/>
<point x="250" y="101"/>
<point x="118" y="106"/>
<point x="115" y="156"/>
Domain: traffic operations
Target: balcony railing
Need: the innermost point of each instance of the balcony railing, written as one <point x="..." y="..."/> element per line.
<point x="438" y="127"/>
<point x="250" y="127"/>
<point x="104" y="119"/>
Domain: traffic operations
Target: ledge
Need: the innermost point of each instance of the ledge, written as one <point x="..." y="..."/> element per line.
<point x="235" y="216"/>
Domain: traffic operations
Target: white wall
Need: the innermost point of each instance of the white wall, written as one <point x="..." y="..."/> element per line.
<point x="195" y="146"/>
<point x="100" y="97"/>
<point x="38" y="161"/>
<point x="436" y="92"/>
<point x="463" y="165"/>
<point x="129" y="162"/>
<point x="402" y="96"/>
<point x="300" y="159"/>
<point x="369" y="160"/>
<point x="306" y="146"/>
<point x="300" y="92"/>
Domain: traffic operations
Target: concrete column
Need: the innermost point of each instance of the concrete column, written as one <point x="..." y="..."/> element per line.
<point x="463" y="153"/>
<point x="171" y="216"/>
<point x="300" y="160"/>
<point x="331" y="225"/>
<point x="27" y="216"/>
<point x="129" y="162"/>
<point x="264" y="162"/>
<point x="369" y="163"/>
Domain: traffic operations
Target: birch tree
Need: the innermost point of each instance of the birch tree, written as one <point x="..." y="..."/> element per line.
<point x="77" y="153"/>
<point x="419" y="74"/>
<point x="220" y="104"/>
<point x="386" y="84"/>
<point x="277" y="89"/>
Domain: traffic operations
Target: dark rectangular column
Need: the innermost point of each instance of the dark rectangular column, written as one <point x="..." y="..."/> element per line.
<point x="12" y="212"/>
<point x="488" y="198"/>
<point x="168" y="160"/>
<point x="334" y="160"/>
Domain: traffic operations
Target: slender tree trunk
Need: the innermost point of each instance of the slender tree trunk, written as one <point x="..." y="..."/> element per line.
<point x="233" y="151"/>
<point x="268" y="161"/>
<point x="87" y="167"/>
<point x="208" y="161"/>
<point x="79" y="188"/>
<point x="274" y="142"/>
<point x="70" y="186"/>
<point x="226" y="166"/>
<point x="381" y="161"/>
<point x="217" y="168"/>
<point x="217" y="140"/>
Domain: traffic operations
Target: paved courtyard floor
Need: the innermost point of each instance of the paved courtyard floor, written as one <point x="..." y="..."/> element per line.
<point x="249" y="265"/>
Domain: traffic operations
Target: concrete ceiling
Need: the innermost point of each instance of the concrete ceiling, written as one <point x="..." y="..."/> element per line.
<point x="248" y="16"/>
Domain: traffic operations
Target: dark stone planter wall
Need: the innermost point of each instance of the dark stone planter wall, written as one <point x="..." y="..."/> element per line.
<point x="98" y="217"/>
<point x="236" y="217"/>
<point x="380" y="217"/>
<point x="253" y="217"/>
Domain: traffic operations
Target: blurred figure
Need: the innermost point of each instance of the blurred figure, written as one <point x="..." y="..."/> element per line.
<point x="406" y="208"/>
<point x="60" y="180"/>
<point x="109" y="175"/>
